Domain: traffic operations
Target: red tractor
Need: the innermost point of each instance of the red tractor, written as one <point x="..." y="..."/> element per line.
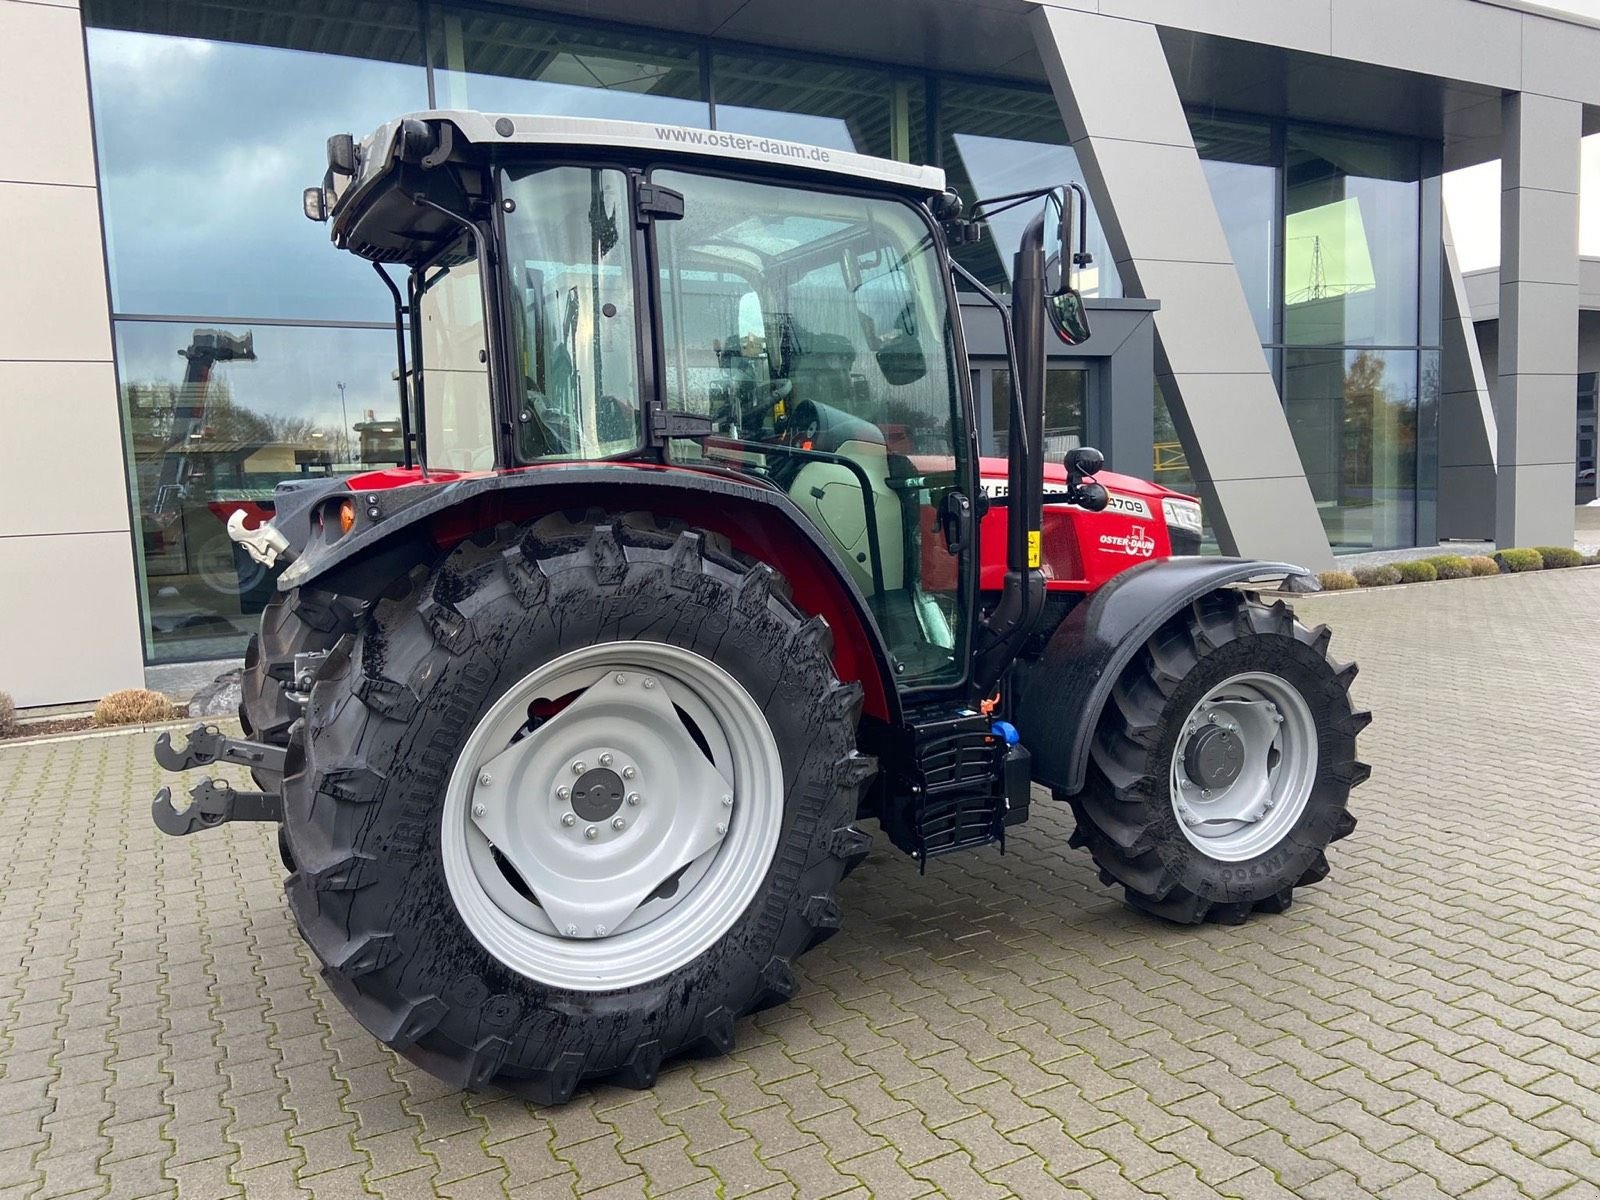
<point x="692" y="564"/>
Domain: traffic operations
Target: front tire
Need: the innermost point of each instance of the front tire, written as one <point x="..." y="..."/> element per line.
<point x="460" y="914"/>
<point x="1222" y="767"/>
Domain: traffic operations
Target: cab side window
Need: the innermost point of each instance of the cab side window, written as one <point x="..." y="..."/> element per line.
<point x="457" y="421"/>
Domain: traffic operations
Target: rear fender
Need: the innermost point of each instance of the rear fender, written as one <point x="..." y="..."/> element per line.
<point x="1057" y="698"/>
<point x="417" y="523"/>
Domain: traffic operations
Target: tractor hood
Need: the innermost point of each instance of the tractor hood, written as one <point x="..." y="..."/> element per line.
<point x="992" y="475"/>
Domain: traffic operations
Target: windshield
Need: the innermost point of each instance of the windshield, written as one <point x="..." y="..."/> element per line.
<point x="570" y="254"/>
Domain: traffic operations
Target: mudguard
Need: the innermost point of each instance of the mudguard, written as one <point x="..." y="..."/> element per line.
<point x="400" y="525"/>
<point x="1057" y="698"/>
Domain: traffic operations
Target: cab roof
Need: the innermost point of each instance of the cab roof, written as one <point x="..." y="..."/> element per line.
<point x="349" y="193"/>
<point x="510" y="129"/>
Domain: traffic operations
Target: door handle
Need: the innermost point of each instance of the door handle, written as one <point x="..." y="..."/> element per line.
<point x="955" y="520"/>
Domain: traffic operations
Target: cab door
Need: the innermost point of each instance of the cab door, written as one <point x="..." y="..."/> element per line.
<point x="814" y="328"/>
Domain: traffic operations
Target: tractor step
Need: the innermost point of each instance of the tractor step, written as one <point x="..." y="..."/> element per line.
<point x="965" y="784"/>
<point x="213" y="802"/>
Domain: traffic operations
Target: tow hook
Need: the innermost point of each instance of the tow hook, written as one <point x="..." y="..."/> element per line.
<point x="264" y="543"/>
<point x="215" y="802"/>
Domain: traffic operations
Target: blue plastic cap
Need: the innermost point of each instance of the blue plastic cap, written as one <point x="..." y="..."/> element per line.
<point x="1005" y="729"/>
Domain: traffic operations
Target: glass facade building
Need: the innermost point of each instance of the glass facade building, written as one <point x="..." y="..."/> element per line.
<point x="248" y="350"/>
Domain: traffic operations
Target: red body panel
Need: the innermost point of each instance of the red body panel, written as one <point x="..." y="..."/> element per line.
<point x="1081" y="549"/>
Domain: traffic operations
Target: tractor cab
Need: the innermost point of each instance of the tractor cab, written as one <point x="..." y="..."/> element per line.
<point x="602" y="292"/>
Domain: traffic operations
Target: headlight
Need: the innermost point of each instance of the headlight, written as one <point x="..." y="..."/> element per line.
<point x="1181" y="514"/>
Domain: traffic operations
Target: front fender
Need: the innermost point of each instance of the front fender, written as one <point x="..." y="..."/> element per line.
<point x="1057" y="698"/>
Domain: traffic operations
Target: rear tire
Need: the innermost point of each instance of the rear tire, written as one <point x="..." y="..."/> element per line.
<point x="1245" y="842"/>
<point x="405" y="713"/>
<point x="298" y="622"/>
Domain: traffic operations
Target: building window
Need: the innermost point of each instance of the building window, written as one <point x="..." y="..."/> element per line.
<point x="1065" y="390"/>
<point x="209" y="124"/>
<point x="504" y="62"/>
<point x="999" y="140"/>
<point x="1354" y="417"/>
<point x="1241" y="167"/>
<point x="1351" y="239"/>
<point x="821" y="104"/>
<point x="248" y="349"/>
<point x="215" y="416"/>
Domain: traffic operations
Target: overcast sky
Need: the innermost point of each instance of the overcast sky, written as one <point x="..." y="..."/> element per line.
<point x="1472" y="198"/>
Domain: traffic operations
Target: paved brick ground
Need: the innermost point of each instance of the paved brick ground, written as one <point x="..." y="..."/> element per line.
<point x="1426" y="1023"/>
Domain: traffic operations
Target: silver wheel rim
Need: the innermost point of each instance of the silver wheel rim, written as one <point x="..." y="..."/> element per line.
<point x="608" y="846"/>
<point x="1244" y="766"/>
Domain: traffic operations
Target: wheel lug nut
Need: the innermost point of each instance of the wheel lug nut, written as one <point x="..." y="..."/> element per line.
<point x="579" y="767"/>
<point x="618" y="823"/>
<point x="478" y="810"/>
<point x="599" y="931"/>
<point x="485" y="779"/>
<point x="628" y="772"/>
<point x="605" y="760"/>
<point x="721" y="829"/>
<point x="649" y="683"/>
<point x="591" y="833"/>
<point x="620" y="677"/>
<point x="568" y="820"/>
<point x="564" y="793"/>
<point x="634" y="798"/>
<point x="572" y="931"/>
<point x="727" y="802"/>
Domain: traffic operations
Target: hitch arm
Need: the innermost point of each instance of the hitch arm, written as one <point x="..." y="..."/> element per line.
<point x="207" y="744"/>
<point x="213" y="802"/>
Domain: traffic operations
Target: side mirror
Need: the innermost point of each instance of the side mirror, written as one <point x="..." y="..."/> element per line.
<point x="315" y="202"/>
<point x="1067" y="317"/>
<point x="1063" y="303"/>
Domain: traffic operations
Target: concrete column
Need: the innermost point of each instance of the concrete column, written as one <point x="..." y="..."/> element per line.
<point x="1128" y="128"/>
<point x="1467" y="432"/>
<point x="1537" y="402"/>
<point x="69" y="613"/>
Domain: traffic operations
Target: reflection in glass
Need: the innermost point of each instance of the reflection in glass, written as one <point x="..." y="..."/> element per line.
<point x="1352" y="206"/>
<point x="1239" y="165"/>
<point x="214" y="418"/>
<point x="509" y="63"/>
<point x="207" y="130"/>
<point x="999" y="140"/>
<point x="1354" y="415"/>
<point x="1064" y="392"/>
<point x="820" y="103"/>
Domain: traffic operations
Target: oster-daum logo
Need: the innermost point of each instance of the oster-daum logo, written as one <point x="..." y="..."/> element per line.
<point x="1137" y="542"/>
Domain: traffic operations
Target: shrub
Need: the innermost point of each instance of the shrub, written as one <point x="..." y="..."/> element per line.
<point x="1418" y="571"/>
<point x="1591" y="560"/>
<point x="8" y="714"/>
<point x="133" y="706"/>
<point x="1450" y="566"/>
<point x="1481" y="564"/>
<point x="1380" y="576"/>
<point x="1336" y="581"/>
<point x="1519" y="559"/>
<point x="1556" y="557"/>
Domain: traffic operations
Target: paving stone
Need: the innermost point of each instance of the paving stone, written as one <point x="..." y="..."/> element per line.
<point x="1425" y="1023"/>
